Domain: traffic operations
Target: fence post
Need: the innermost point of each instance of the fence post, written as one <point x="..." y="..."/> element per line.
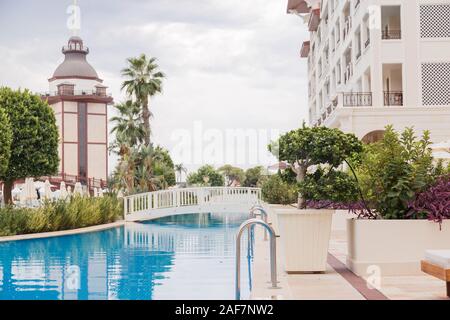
<point x="125" y="208"/>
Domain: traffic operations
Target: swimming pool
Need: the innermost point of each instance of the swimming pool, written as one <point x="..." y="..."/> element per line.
<point x="179" y="257"/>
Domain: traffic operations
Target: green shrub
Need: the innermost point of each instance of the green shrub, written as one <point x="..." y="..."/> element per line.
<point x="393" y="171"/>
<point x="79" y="212"/>
<point x="276" y="191"/>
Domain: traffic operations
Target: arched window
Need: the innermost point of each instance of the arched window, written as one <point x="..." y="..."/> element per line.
<point x="373" y="136"/>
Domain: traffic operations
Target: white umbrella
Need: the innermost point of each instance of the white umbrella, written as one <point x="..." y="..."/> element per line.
<point x="63" y="191"/>
<point x="78" y="190"/>
<point x="47" y="190"/>
<point x="16" y="192"/>
<point x="100" y="193"/>
<point x="69" y="190"/>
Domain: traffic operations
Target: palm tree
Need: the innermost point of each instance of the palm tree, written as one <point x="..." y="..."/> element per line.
<point x="180" y="168"/>
<point x="144" y="80"/>
<point x="128" y="126"/>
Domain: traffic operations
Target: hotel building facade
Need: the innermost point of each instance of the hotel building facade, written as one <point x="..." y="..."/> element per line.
<point x="372" y="63"/>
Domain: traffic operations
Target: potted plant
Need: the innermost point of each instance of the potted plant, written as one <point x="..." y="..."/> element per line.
<point x="315" y="156"/>
<point x="409" y="196"/>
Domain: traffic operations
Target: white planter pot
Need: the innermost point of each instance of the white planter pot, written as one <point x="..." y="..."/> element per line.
<point x="392" y="247"/>
<point x="305" y="238"/>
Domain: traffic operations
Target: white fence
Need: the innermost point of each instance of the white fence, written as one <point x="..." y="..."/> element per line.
<point x="202" y="199"/>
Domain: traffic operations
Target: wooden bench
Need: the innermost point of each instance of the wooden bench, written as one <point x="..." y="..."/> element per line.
<point x="437" y="264"/>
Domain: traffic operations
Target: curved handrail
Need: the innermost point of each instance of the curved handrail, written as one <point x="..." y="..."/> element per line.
<point x="273" y="254"/>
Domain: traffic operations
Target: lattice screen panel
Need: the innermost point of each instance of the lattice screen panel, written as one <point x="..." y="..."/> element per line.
<point x="435" y="21"/>
<point x="435" y="84"/>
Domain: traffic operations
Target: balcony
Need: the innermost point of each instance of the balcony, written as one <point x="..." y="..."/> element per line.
<point x="304" y="52"/>
<point x="357" y="99"/>
<point x="297" y="6"/>
<point x="393" y="98"/>
<point x="77" y="93"/>
<point x="314" y="20"/>
<point x="391" y="22"/>
<point x="348" y="73"/>
<point x="99" y="96"/>
<point x="347" y="26"/>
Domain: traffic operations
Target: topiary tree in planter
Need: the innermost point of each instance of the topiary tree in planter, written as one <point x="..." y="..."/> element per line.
<point x="323" y="151"/>
<point x="324" y="148"/>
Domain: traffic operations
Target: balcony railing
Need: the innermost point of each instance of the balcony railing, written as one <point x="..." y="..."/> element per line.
<point x="357" y="99"/>
<point x="391" y="34"/>
<point x="392" y="98"/>
<point x="76" y="93"/>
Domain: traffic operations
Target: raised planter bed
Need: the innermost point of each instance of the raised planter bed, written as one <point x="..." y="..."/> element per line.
<point x="395" y="246"/>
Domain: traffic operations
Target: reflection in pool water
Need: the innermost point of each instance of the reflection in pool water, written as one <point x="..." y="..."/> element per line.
<point x="181" y="257"/>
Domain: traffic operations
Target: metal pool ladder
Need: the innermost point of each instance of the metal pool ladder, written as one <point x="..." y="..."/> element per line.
<point x="264" y="216"/>
<point x="273" y="253"/>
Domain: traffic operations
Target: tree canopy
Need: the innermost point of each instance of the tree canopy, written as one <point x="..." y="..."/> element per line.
<point x="143" y="81"/>
<point x="5" y="141"/>
<point x="206" y="175"/>
<point x="34" y="148"/>
<point x="318" y="146"/>
<point x="233" y="175"/>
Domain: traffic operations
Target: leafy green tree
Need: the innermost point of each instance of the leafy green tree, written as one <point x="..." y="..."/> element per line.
<point x="5" y="142"/>
<point x="34" y="148"/>
<point x="206" y="175"/>
<point x="395" y="169"/>
<point x="144" y="80"/>
<point x="232" y="174"/>
<point x="307" y="147"/>
<point x="253" y="176"/>
<point x="276" y="191"/>
<point x="164" y="167"/>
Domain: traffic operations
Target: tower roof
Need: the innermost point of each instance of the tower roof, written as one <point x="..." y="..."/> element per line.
<point x="75" y="64"/>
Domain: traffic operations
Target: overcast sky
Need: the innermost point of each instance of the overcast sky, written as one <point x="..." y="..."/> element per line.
<point x="230" y="64"/>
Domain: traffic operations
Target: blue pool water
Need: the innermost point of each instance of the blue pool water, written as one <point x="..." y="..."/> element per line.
<point x="180" y="257"/>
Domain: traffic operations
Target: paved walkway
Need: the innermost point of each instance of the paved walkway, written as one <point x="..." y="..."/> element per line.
<point x="338" y="283"/>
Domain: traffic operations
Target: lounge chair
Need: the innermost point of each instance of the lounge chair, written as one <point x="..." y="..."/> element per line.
<point x="437" y="264"/>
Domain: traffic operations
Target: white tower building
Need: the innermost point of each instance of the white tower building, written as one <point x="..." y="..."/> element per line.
<point x="377" y="62"/>
<point x="80" y="102"/>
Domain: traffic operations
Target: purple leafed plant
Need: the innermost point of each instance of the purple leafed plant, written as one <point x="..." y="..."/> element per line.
<point x="434" y="202"/>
